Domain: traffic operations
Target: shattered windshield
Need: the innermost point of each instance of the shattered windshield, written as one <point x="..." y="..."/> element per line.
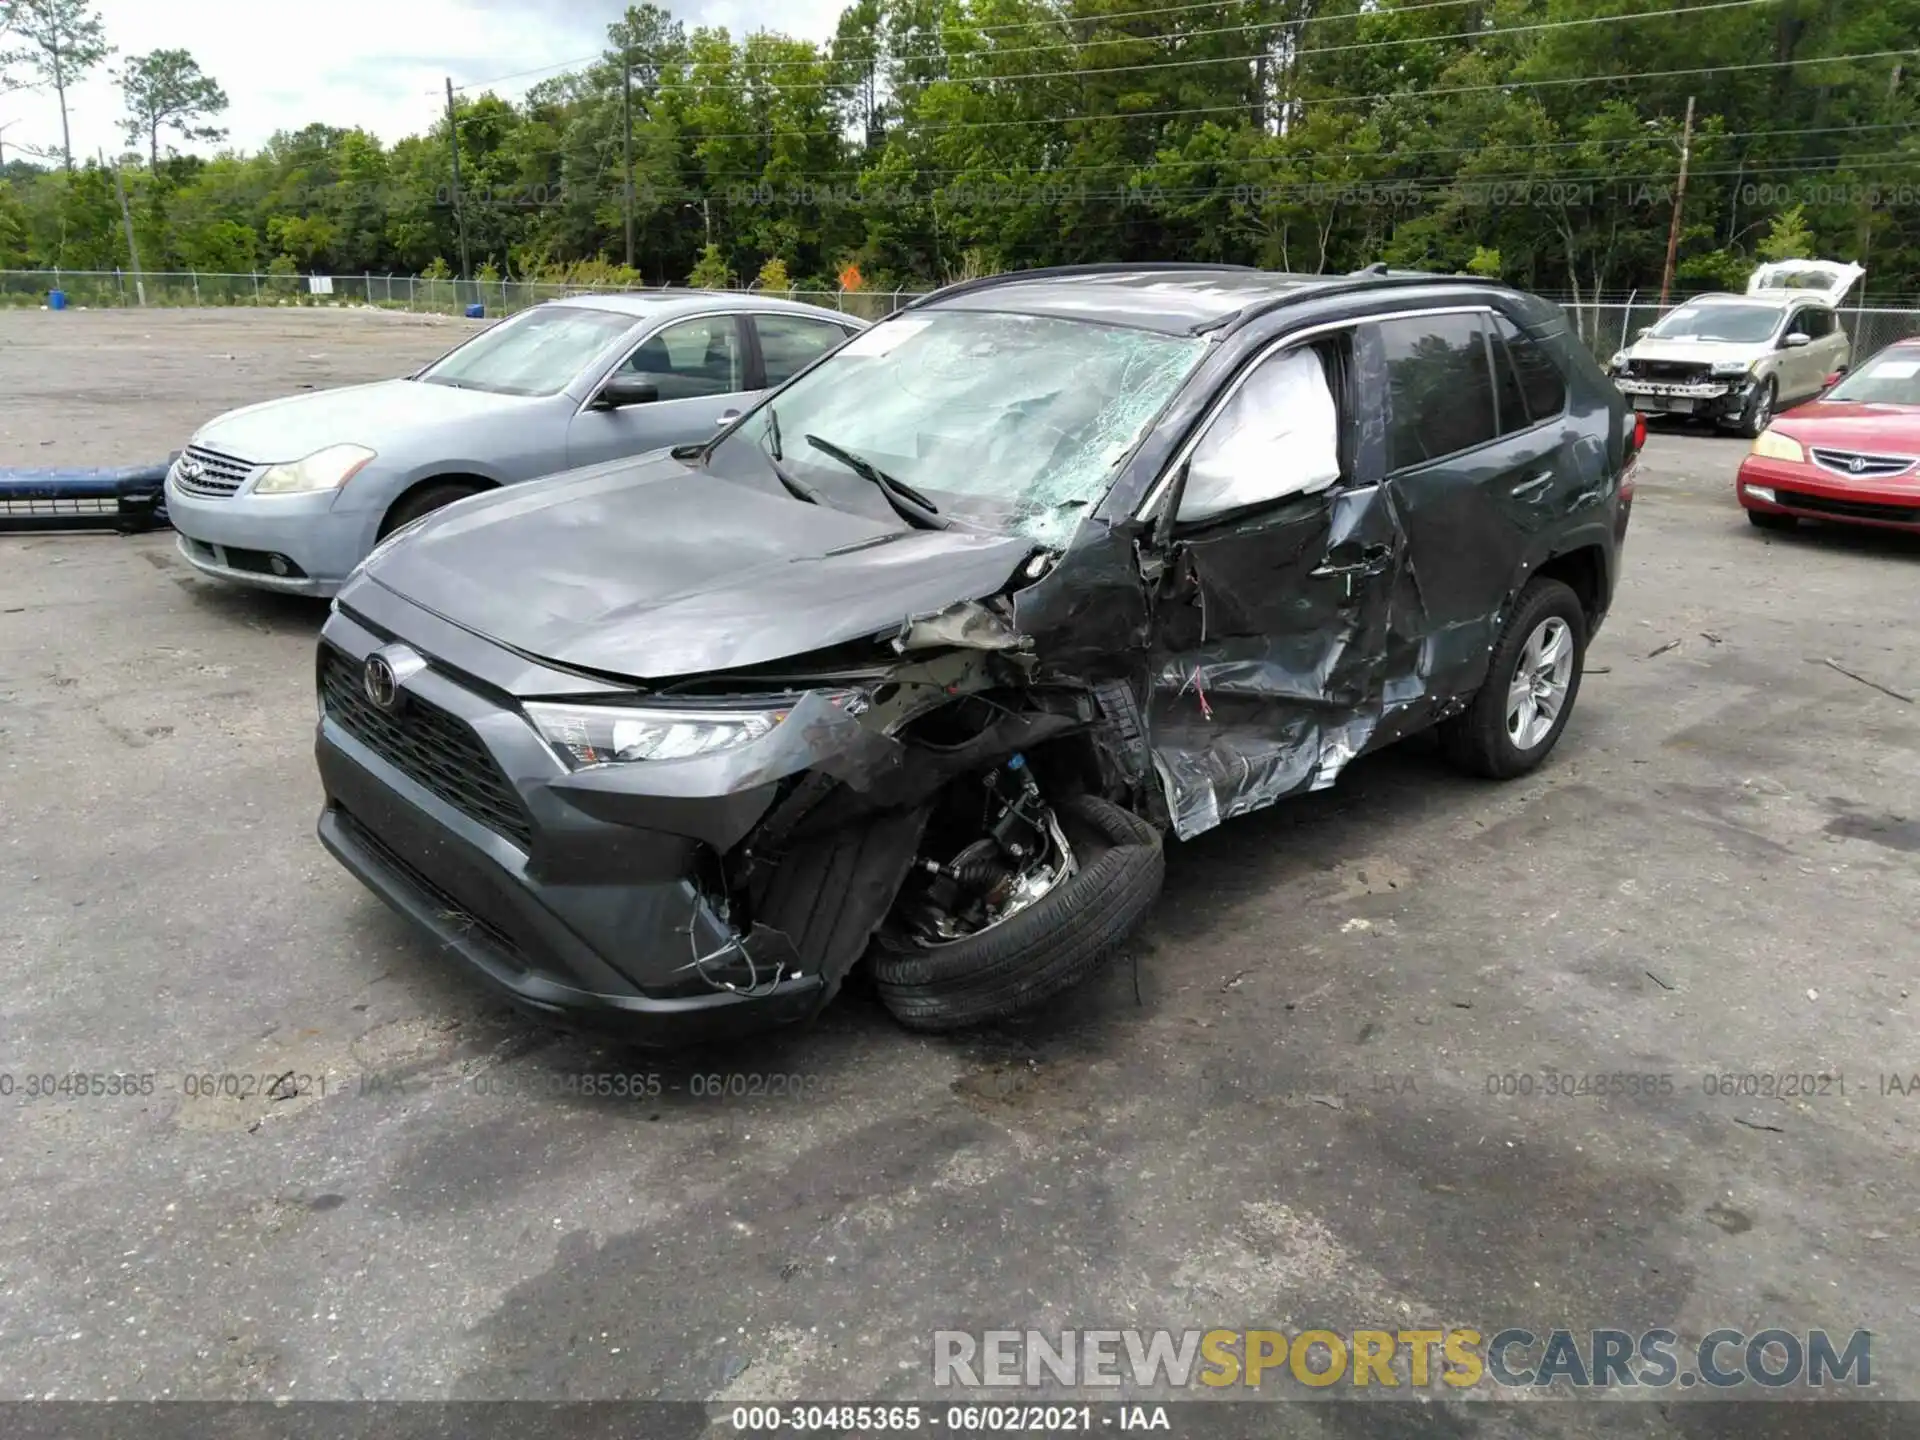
<point x="1737" y="324"/>
<point x="1015" y="422"/>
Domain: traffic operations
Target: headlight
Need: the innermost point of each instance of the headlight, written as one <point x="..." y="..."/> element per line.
<point x="1772" y="445"/>
<point x="1727" y="369"/>
<point x="607" y="734"/>
<point x="1619" y="360"/>
<point x="326" y="469"/>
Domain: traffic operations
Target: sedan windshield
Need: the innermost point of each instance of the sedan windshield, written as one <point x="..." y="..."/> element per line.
<point x="1014" y="422"/>
<point x="1737" y="324"/>
<point x="537" y="352"/>
<point x="1890" y="378"/>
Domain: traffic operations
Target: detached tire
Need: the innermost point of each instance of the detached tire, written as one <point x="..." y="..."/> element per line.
<point x="1485" y="740"/>
<point x="1054" y="943"/>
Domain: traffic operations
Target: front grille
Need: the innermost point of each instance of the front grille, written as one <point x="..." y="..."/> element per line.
<point x="452" y="913"/>
<point x="1856" y="464"/>
<point x="1672" y="372"/>
<point x="209" y="473"/>
<point x="1849" y="509"/>
<point x="429" y="746"/>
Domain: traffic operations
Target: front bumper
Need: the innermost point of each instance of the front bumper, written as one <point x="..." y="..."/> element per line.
<point x="594" y="911"/>
<point x="1805" y="490"/>
<point x="237" y="538"/>
<point x="1710" y="399"/>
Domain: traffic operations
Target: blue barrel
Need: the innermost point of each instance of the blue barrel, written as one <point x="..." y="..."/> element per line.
<point x="476" y="312"/>
<point x="56" y="299"/>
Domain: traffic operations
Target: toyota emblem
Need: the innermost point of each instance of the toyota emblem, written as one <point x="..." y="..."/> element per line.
<point x="378" y="680"/>
<point x="1858" y="464"/>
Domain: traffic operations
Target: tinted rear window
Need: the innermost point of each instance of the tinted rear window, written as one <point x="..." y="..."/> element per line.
<point x="1439" y="387"/>
<point x="1540" y="378"/>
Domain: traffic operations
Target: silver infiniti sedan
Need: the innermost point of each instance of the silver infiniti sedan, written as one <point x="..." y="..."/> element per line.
<point x="292" y="494"/>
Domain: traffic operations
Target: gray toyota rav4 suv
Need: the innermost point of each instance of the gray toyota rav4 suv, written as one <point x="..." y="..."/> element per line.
<point x="917" y="662"/>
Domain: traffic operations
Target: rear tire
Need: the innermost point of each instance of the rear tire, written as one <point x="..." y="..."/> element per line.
<point x="1483" y="740"/>
<point x="1054" y="943"/>
<point x="1768" y="520"/>
<point x="425" y="501"/>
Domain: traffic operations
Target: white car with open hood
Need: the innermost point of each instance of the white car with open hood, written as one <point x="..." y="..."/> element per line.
<point x="1739" y="359"/>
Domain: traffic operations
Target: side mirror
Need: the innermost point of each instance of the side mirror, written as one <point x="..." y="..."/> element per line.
<point x="1796" y="340"/>
<point x="1643" y="332"/>
<point x="624" y="390"/>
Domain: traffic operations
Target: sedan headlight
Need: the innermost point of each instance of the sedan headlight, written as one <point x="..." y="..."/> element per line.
<point x="1727" y="369"/>
<point x="1772" y="445"/>
<point x="326" y="469"/>
<point x="1619" y="360"/>
<point x="607" y="734"/>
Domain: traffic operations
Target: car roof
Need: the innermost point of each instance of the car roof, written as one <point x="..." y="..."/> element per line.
<point x="1174" y="299"/>
<point x="663" y="304"/>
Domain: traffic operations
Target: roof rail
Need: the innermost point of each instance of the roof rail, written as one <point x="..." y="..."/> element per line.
<point x="1047" y="272"/>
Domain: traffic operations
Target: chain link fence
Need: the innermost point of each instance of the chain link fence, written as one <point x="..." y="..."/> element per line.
<point x="83" y="289"/>
<point x="1605" y="327"/>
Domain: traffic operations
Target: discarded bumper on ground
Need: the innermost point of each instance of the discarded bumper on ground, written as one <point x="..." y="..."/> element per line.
<point x="129" y="499"/>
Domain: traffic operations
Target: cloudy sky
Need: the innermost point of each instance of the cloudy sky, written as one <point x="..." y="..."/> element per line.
<point x="380" y="64"/>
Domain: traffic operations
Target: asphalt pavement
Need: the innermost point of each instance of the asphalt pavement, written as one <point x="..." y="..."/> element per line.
<point x="1298" y="1097"/>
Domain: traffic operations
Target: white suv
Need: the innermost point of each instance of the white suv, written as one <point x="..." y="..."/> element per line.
<point x="1737" y="359"/>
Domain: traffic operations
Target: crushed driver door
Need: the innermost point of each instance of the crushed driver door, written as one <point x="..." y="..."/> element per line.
<point x="1274" y="620"/>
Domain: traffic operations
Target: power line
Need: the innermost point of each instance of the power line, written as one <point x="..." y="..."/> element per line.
<point x="1070" y="72"/>
<point x="1396" y="153"/>
<point x="1420" y="94"/>
<point x="1031" y="25"/>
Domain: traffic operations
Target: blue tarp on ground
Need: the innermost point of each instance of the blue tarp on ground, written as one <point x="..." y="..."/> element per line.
<point x="128" y="499"/>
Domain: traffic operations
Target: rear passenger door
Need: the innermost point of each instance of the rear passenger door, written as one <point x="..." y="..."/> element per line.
<point x="1472" y="474"/>
<point x="790" y="343"/>
<point x="697" y="366"/>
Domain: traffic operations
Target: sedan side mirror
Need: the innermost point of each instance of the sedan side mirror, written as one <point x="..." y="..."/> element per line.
<point x="1643" y="332"/>
<point x="624" y="390"/>
<point x="1796" y="340"/>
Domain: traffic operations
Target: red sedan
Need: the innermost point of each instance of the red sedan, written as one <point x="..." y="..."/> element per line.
<point x="1852" y="456"/>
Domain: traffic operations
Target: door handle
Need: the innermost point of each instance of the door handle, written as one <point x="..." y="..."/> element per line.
<point x="726" y="418"/>
<point x="1533" y="483"/>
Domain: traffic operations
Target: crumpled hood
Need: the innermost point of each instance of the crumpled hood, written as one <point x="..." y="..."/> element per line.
<point x="375" y="415"/>
<point x="653" y="569"/>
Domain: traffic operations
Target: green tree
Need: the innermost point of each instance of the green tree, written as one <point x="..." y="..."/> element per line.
<point x="773" y="276"/>
<point x="711" y="273"/>
<point x="64" y="39"/>
<point x="166" y="90"/>
<point x="1788" y="237"/>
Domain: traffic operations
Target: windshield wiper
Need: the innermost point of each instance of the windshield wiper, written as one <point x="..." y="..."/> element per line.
<point x="770" y="447"/>
<point x="908" y="503"/>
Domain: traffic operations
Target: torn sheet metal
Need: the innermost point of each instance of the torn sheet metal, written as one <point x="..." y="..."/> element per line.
<point x="1276" y="654"/>
<point x="969" y="624"/>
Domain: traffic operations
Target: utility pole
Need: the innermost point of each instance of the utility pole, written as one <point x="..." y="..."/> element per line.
<point x="3" y="146"/>
<point x="1679" y="199"/>
<point x="126" y="219"/>
<point x="459" y="217"/>
<point x="706" y="216"/>
<point x="626" y="161"/>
